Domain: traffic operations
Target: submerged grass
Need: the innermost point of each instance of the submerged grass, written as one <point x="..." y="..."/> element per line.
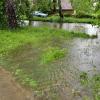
<point x="23" y="50"/>
<point x="93" y="83"/>
<point x="51" y="54"/>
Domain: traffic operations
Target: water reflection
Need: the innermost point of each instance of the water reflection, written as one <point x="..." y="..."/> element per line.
<point x="85" y="55"/>
<point x="87" y="50"/>
<point x="76" y="27"/>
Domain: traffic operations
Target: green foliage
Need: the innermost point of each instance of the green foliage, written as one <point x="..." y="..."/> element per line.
<point x="97" y="14"/>
<point x="2" y="14"/>
<point x="52" y="54"/>
<point x="82" y="6"/>
<point x="42" y="5"/>
<point x="24" y="8"/>
<point x="83" y="15"/>
<point x="86" y="8"/>
<point x="97" y="8"/>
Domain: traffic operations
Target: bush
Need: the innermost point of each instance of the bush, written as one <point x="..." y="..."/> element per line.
<point x="67" y="15"/>
<point x="98" y="14"/>
<point x="84" y="15"/>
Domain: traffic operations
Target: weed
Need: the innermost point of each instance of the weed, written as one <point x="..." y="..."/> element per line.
<point x="84" y="78"/>
<point x="52" y="53"/>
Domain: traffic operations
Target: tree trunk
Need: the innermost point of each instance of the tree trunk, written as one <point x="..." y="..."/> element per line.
<point x="54" y="5"/>
<point x="60" y="9"/>
<point x="11" y="15"/>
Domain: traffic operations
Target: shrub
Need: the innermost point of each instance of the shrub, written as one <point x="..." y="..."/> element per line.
<point x="98" y="14"/>
<point x="83" y="15"/>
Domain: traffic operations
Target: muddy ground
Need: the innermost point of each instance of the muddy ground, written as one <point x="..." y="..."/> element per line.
<point x="10" y="89"/>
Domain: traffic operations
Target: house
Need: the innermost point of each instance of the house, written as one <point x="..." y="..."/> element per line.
<point x="67" y="7"/>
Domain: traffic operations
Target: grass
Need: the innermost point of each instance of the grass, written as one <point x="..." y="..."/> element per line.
<point x="12" y="39"/>
<point x="51" y="54"/>
<point x="93" y="83"/>
<point x="68" y="20"/>
<point x="24" y="78"/>
<point x="31" y="53"/>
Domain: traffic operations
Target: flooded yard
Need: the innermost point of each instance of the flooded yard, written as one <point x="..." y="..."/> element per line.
<point x="60" y="79"/>
<point x="76" y="27"/>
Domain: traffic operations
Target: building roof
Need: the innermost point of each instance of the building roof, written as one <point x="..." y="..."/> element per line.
<point x="66" y="5"/>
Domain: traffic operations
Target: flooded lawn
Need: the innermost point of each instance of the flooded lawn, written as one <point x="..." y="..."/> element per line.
<point x="57" y="79"/>
<point x="76" y="27"/>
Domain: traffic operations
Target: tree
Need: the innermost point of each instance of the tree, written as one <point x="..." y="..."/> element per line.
<point x="60" y="9"/>
<point x="82" y="6"/>
<point x="54" y="5"/>
<point x="12" y="11"/>
<point x="97" y="5"/>
<point x="11" y="14"/>
<point x="97" y="9"/>
<point x="24" y="9"/>
<point x="42" y="5"/>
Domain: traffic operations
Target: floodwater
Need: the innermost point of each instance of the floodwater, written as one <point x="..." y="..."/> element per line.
<point x="85" y="53"/>
<point x="76" y="27"/>
<point x="60" y="79"/>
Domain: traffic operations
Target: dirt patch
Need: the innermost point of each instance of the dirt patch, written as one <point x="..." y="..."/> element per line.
<point x="10" y="90"/>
